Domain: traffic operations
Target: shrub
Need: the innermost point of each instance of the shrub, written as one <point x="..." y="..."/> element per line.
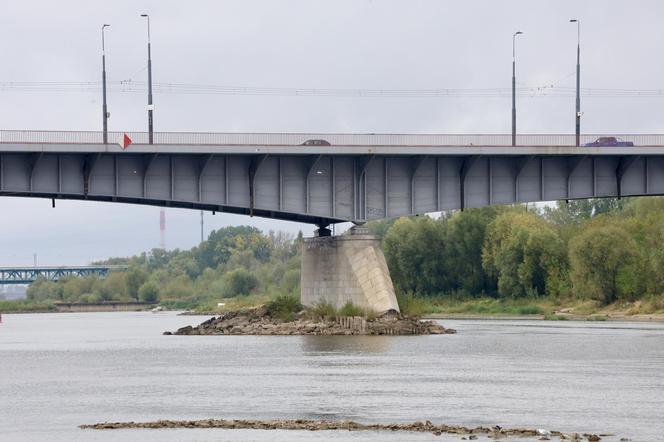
<point x="290" y="282"/>
<point x="323" y="309"/>
<point x="350" y="309"/>
<point x="284" y="307"/>
<point x="411" y="305"/>
<point x="238" y="282"/>
<point x="149" y="292"/>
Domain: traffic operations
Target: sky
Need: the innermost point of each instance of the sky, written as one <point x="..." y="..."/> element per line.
<point x="305" y="44"/>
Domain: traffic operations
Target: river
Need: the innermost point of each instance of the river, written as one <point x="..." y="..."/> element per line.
<point x="58" y="371"/>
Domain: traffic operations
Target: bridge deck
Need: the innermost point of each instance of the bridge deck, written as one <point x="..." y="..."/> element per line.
<point x="355" y="178"/>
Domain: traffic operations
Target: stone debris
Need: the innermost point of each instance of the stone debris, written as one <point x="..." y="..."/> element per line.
<point x="495" y="432"/>
<point x="257" y="322"/>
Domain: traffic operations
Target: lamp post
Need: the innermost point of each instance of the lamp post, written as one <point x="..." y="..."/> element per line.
<point x="103" y="84"/>
<point x="514" y="86"/>
<point x="150" y="106"/>
<point x="578" y="80"/>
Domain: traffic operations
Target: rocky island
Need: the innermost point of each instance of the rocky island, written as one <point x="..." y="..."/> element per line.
<point x="260" y="321"/>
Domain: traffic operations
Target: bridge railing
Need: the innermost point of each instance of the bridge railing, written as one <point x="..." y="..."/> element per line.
<point x="295" y="139"/>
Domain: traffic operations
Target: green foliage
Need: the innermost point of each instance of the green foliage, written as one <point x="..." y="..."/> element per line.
<point x="134" y="279"/>
<point x="506" y="260"/>
<point x="149" y="292"/>
<point x="26" y="305"/>
<point x="238" y="282"/>
<point x="414" y="252"/>
<point x="323" y="309"/>
<point x="411" y="305"/>
<point x="380" y="228"/>
<point x="42" y="290"/>
<point x="524" y="254"/>
<point x="234" y="261"/>
<point x="601" y="257"/>
<point x="554" y="317"/>
<point x="350" y="309"/>
<point x="284" y="307"/>
<point x="465" y="239"/>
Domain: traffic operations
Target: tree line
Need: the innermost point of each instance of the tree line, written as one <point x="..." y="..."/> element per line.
<point x="605" y="250"/>
<point x="602" y="249"/>
<point x="233" y="261"/>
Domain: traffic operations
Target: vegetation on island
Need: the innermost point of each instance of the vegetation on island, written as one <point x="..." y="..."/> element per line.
<point x="590" y="255"/>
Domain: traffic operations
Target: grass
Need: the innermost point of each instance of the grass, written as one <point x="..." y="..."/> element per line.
<point x="597" y="318"/>
<point x="232" y="304"/>
<point x="323" y="309"/>
<point x="326" y="310"/>
<point x="477" y="306"/>
<point x="411" y="305"/>
<point x="26" y="306"/>
<point x="554" y="317"/>
<point x="284" y="307"/>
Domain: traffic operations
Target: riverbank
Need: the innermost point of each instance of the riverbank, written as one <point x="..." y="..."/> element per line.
<point x="440" y="307"/>
<point x="495" y="432"/>
<point x="553" y="317"/>
<point x="259" y="321"/>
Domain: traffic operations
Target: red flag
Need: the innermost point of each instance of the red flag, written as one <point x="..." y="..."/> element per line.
<point x="125" y="142"/>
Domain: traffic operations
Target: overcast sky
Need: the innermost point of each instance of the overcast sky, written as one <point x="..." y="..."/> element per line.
<point x="354" y="44"/>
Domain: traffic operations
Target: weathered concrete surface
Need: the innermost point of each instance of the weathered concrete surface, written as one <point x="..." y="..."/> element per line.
<point x="349" y="268"/>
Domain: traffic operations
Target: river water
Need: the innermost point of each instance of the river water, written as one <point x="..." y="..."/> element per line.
<point x="58" y="371"/>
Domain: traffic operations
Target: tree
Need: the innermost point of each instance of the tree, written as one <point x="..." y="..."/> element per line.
<point x="599" y="256"/>
<point x="43" y="289"/>
<point x="222" y="243"/>
<point x="134" y="280"/>
<point x="238" y="282"/>
<point x="576" y="211"/>
<point x="149" y="292"/>
<point x="415" y="254"/>
<point x="465" y="239"/>
<point x="524" y="254"/>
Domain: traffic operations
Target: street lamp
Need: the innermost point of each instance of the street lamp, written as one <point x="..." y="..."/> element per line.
<point x="150" y="106"/>
<point x="514" y="86"/>
<point x="578" y="80"/>
<point x="103" y="84"/>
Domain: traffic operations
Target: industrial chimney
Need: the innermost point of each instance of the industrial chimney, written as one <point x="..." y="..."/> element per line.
<point x="162" y="229"/>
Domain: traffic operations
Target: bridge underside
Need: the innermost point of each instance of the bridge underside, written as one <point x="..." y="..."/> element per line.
<point x="326" y="188"/>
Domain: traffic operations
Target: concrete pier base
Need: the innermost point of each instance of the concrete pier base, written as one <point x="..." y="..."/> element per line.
<point x="339" y="269"/>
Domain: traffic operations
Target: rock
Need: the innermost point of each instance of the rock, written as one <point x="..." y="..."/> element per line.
<point x="258" y="322"/>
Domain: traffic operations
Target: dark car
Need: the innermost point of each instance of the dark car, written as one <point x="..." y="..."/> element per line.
<point x="316" y="143"/>
<point x="609" y="141"/>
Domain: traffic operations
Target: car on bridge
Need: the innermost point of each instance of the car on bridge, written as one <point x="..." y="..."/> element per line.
<point x="609" y="141"/>
<point x="316" y="143"/>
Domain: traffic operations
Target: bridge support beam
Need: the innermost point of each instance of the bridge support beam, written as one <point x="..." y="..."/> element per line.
<point x="348" y="268"/>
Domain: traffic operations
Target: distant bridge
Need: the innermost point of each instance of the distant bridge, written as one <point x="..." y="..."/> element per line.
<point x="326" y="178"/>
<point x="28" y="275"/>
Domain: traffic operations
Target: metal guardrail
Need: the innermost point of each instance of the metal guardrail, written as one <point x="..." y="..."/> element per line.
<point x="295" y="139"/>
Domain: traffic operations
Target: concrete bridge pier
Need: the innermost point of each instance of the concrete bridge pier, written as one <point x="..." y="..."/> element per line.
<point x="339" y="269"/>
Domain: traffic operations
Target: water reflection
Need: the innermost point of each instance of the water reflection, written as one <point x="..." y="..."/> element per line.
<point x="346" y="345"/>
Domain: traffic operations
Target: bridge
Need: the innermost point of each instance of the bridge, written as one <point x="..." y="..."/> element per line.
<point x="28" y="275"/>
<point x="329" y="178"/>
<point x="326" y="178"/>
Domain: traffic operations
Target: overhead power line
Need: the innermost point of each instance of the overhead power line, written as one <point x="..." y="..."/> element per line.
<point x="130" y="86"/>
